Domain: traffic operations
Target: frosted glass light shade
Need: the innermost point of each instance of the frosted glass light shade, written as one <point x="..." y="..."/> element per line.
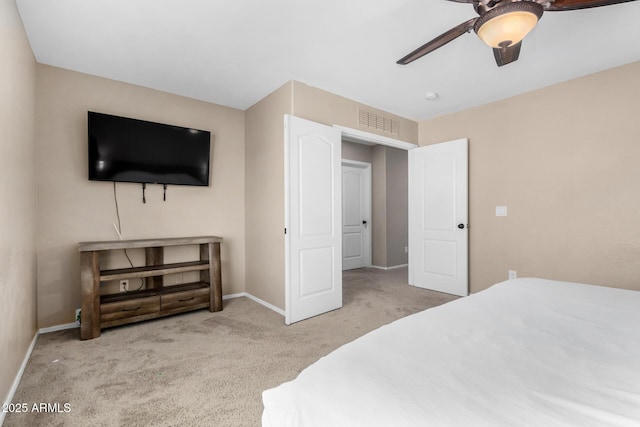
<point x="508" y="24"/>
<point x="511" y="27"/>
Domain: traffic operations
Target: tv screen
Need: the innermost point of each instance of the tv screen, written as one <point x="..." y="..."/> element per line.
<point x="130" y="150"/>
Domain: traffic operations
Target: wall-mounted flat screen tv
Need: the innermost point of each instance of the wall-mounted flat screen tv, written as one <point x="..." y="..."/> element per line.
<point x="130" y="150"/>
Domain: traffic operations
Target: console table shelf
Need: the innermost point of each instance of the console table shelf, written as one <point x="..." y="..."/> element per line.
<point x="108" y="298"/>
<point x="153" y="270"/>
<point x="156" y="300"/>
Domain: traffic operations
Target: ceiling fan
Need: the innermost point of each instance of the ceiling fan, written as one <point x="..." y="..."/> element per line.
<point x="503" y="24"/>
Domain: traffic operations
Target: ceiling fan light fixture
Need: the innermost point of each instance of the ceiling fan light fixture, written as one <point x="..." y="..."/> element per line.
<point x="508" y="24"/>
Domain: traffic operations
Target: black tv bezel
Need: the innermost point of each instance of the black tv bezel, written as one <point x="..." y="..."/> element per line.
<point x="181" y="128"/>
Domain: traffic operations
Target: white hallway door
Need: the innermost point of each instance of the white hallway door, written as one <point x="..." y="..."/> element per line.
<point x="356" y="215"/>
<point x="438" y="212"/>
<point x="313" y="223"/>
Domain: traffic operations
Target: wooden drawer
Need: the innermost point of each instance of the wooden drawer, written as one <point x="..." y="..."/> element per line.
<point x="176" y="300"/>
<point x="130" y="308"/>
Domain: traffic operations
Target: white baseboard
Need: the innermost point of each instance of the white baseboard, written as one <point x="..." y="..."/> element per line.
<point x="393" y="267"/>
<point x="59" y="327"/>
<point x="27" y="356"/>
<point x="255" y="299"/>
<point x="266" y="304"/>
<point x="18" y="378"/>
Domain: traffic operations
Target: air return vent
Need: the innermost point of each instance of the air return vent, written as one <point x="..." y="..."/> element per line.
<point x="379" y="122"/>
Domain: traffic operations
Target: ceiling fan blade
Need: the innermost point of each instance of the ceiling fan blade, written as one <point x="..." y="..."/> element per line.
<point x="507" y="55"/>
<point x="439" y="41"/>
<point x="560" y="5"/>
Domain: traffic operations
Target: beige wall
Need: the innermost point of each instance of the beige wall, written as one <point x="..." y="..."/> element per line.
<point x="357" y="152"/>
<point x="564" y="160"/>
<point x="397" y="200"/>
<point x="17" y="196"/>
<point x="324" y="107"/>
<point x="73" y="209"/>
<point x="379" y="206"/>
<point x="390" y="206"/>
<point x="264" y="195"/>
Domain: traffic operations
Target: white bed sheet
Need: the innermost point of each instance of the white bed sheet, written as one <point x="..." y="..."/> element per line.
<point x="526" y="352"/>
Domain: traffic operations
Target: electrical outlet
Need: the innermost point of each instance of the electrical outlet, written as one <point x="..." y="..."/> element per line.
<point x="124" y="285"/>
<point x="406" y="249"/>
<point x="512" y="274"/>
<point x="179" y="279"/>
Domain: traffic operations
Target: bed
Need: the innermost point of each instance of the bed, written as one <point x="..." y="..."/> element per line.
<point x="525" y="352"/>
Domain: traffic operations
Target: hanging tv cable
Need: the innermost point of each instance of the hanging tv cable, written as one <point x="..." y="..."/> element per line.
<point x="119" y="231"/>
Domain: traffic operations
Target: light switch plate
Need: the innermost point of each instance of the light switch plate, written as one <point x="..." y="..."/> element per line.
<point x="501" y="211"/>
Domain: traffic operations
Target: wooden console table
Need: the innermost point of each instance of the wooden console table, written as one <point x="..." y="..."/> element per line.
<point x="156" y="300"/>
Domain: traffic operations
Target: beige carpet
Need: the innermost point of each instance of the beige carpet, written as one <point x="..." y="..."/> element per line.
<point x="200" y="368"/>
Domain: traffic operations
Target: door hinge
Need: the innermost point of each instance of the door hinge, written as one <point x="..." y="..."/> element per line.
<point x="285" y="230"/>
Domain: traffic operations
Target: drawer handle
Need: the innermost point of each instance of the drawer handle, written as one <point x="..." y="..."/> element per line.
<point x="132" y="309"/>
<point x="186" y="299"/>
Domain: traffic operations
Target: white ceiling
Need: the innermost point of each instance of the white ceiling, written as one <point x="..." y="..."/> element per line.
<point x="235" y="52"/>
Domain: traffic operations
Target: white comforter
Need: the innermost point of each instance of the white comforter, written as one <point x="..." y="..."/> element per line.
<point x="526" y="352"/>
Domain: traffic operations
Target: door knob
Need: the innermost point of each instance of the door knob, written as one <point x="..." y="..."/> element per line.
<point x="364" y="222"/>
<point x="460" y="226"/>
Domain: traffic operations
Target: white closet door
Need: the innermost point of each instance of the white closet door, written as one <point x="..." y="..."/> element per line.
<point x="313" y="243"/>
<point x="438" y="225"/>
